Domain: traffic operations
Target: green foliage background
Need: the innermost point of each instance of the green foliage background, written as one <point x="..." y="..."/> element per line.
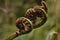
<point x="19" y="8"/>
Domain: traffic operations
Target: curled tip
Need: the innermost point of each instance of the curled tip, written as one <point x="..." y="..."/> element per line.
<point x="44" y="6"/>
<point x="34" y="13"/>
<point x="24" y="25"/>
<point x="41" y="14"/>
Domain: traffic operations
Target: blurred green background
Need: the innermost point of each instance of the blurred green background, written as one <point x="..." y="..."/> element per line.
<point x="10" y="10"/>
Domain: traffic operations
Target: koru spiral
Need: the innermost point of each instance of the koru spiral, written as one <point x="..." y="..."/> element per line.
<point x="37" y="12"/>
<point x="24" y="25"/>
<point x="30" y="21"/>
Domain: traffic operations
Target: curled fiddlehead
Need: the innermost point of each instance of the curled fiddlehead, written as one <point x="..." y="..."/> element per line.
<point x="24" y="25"/>
<point x="27" y="23"/>
<point x="39" y="11"/>
<point x="33" y="13"/>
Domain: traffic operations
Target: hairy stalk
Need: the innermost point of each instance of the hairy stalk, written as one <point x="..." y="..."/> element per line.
<point x="14" y="35"/>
